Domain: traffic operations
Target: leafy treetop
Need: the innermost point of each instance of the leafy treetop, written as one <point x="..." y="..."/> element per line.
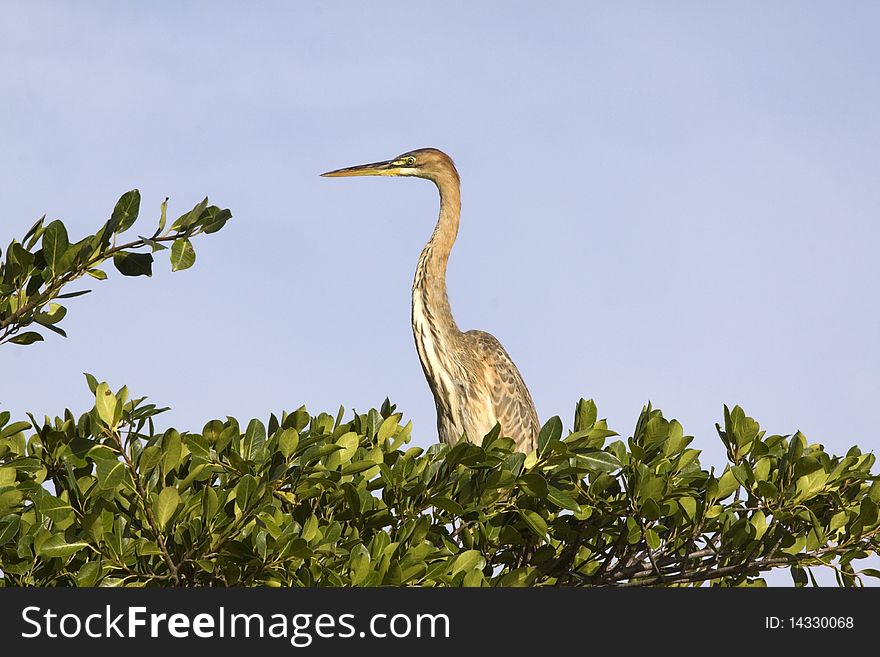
<point x="106" y="499"/>
<point x="37" y="268"/>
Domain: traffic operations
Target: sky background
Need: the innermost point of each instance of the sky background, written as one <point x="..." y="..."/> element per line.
<point x="672" y="202"/>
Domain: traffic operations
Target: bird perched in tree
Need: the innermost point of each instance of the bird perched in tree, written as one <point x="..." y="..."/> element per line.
<point x="474" y="382"/>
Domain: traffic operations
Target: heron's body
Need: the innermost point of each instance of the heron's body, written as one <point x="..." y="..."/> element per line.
<point x="474" y="382"/>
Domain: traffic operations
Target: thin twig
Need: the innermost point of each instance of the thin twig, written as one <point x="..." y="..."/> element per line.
<point x="148" y="510"/>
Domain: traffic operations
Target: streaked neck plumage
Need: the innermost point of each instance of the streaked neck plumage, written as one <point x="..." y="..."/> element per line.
<point x="434" y="328"/>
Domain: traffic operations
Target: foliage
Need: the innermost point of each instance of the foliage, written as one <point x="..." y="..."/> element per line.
<point x="314" y="500"/>
<point x="106" y="499"/>
<point x="32" y="280"/>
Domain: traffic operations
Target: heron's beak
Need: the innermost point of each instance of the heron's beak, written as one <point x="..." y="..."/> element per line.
<point x="387" y="168"/>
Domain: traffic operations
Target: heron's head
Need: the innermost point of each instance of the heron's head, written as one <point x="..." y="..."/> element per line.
<point x="427" y="163"/>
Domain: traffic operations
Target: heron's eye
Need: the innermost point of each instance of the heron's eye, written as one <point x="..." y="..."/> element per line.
<point x="410" y="160"/>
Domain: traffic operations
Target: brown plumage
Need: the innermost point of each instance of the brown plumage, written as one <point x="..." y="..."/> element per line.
<point x="474" y="381"/>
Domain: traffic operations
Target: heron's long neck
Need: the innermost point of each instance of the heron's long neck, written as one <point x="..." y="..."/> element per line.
<point x="434" y="329"/>
<point x="430" y="302"/>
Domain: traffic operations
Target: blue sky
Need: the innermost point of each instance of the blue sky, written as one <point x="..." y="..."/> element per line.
<point x="675" y="202"/>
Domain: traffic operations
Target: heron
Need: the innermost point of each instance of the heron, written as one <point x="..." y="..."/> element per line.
<point x="474" y="381"/>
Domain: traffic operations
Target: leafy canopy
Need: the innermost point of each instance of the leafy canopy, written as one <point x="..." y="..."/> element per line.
<point x="106" y="499"/>
<point x="317" y="500"/>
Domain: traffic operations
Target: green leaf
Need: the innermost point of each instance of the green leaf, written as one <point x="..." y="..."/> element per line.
<point x="244" y="491"/>
<point x="874" y="491"/>
<point x="552" y="430"/>
<point x="172" y="450"/>
<point x="53" y="507"/>
<point x="533" y="484"/>
<point x="154" y="245"/>
<point x="105" y="402"/>
<point x="310" y="528"/>
<point x="190" y="218"/>
<point x="55" y="244"/>
<point x="91" y="381"/>
<point x="28" y="337"/>
<point x="689" y="504"/>
<point x="163" y="215"/>
<point x="14" y="428"/>
<point x="759" y="522"/>
<point x="126" y="211"/>
<point x="254" y="438"/>
<point x="798" y="576"/>
<point x="9" y="527"/>
<point x="77" y="254"/>
<point x="217" y="219"/>
<point x="797" y="547"/>
<point x="110" y="473"/>
<point x="741" y="473"/>
<point x="349" y="443"/>
<point x="166" y="505"/>
<point x="183" y="256"/>
<point x="726" y="485"/>
<point x="446" y="504"/>
<point x="52" y="316"/>
<point x="868" y="512"/>
<point x="563" y="499"/>
<point x="535" y="522"/>
<point x="388" y="427"/>
<point x="467" y="560"/>
<point x="745" y="429"/>
<point x="585" y="415"/>
<point x="10" y="499"/>
<point x="650" y="488"/>
<point x="88" y="574"/>
<point x="57" y="546"/>
<point x="134" y="264"/>
<point x="71" y="295"/>
<point x="34" y="231"/>
<point x="656" y="430"/>
<point x="287" y="441"/>
<point x="151" y="455"/>
<point x="810" y="484"/>
<point x="357" y="466"/>
<point x="212" y="431"/>
<point x="99" y="274"/>
<point x="762" y="469"/>
<point x="599" y="461"/>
